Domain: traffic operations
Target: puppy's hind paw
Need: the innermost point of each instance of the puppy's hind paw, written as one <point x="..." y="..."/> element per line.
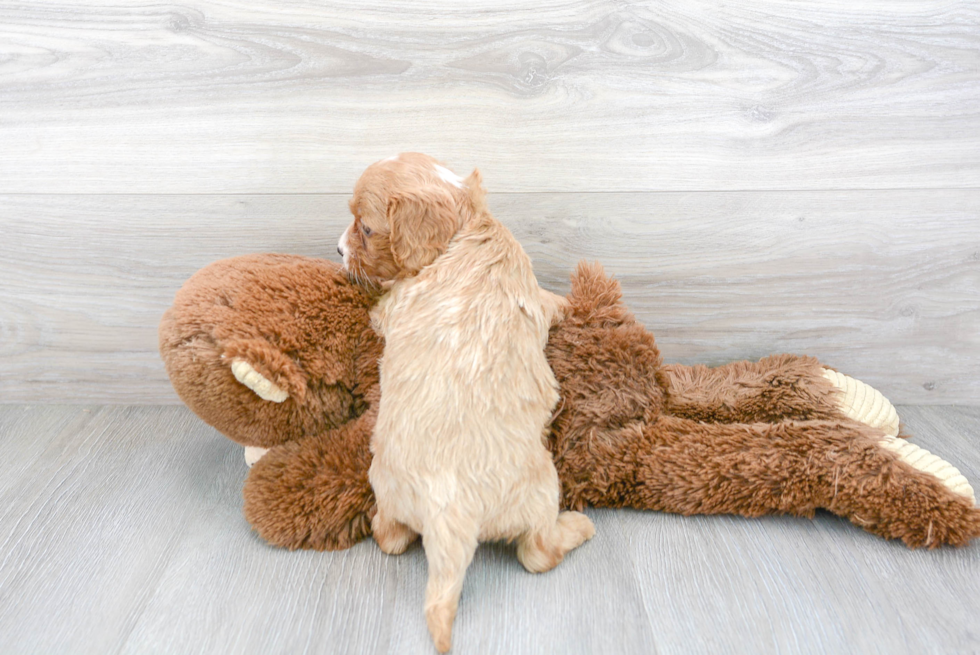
<point x="263" y="387"/>
<point x="576" y="529"/>
<point x="392" y="537"/>
<point x="544" y="550"/>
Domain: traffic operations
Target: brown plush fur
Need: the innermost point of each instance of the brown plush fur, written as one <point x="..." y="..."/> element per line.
<point x="296" y="321"/>
<point x="775" y="388"/>
<point x="748" y="438"/>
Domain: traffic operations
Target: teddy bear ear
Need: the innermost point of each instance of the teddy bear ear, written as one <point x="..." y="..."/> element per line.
<point x="420" y="225"/>
<point x="265" y="369"/>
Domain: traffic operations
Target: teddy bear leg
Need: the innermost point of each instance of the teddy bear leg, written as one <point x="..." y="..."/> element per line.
<point x="775" y="388"/>
<point x="313" y="492"/>
<point x="690" y="467"/>
<point x="772" y="389"/>
<point x="897" y="490"/>
<point x="924" y="461"/>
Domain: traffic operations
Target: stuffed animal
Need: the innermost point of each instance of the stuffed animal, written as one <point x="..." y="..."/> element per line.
<point x="277" y="353"/>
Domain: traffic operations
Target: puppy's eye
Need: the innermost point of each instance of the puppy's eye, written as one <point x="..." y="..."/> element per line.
<point x="366" y="230"/>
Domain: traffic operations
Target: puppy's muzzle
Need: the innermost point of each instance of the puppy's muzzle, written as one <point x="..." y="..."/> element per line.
<point x="342" y="248"/>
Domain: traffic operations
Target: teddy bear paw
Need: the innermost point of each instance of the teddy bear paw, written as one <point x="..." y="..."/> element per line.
<point x="922" y="460"/>
<point x="254" y="454"/>
<point x="264" y="388"/>
<point x="864" y="403"/>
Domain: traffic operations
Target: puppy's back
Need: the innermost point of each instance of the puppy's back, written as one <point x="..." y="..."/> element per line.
<point x="464" y="371"/>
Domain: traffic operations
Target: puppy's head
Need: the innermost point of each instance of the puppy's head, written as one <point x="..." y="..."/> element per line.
<point x="406" y="209"/>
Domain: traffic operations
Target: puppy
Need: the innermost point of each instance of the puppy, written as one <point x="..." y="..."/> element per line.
<point x="466" y="391"/>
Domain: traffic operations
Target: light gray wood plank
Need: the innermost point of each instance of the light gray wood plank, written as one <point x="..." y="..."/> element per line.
<point x="725" y="584"/>
<point x="953" y="431"/>
<point x="882" y="285"/>
<point x="127" y="527"/>
<point x="227" y="592"/>
<point x="261" y="96"/>
<point x="88" y="278"/>
<point x="137" y="511"/>
<point x="90" y="525"/>
<point x="29" y="429"/>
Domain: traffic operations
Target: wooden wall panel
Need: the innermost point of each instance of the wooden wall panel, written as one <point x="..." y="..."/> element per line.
<point x="884" y="285"/>
<point x="239" y="96"/>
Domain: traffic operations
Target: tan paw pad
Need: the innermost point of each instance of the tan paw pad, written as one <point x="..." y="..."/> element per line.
<point x="864" y="403"/>
<point x="254" y="454"/>
<point x="263" y="387"/>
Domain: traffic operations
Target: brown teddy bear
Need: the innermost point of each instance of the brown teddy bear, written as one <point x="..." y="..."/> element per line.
<point x="277" y="353"/>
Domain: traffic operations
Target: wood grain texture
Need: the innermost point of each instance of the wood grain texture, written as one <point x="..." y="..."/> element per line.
<point x="236" y="96"/>
<point x="125" y="524"/>
<point x="883" y="285"/>
<point x="778" y="584"/>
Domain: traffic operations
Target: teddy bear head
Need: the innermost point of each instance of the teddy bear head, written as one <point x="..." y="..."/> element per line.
<point x="297" y="322"/>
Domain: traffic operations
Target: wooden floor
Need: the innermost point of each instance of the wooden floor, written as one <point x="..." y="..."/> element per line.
<point x="121" y="532"/>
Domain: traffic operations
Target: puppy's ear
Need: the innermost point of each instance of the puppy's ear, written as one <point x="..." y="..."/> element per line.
<point x="420" y="227"/>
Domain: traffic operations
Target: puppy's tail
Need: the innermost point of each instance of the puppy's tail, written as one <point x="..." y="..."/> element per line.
<point x="595" y="296"/>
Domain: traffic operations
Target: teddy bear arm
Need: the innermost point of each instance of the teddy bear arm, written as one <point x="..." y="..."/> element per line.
<point x="688" y="467"/>
<point x="773" y="389"/>
<point x="314" y="493"/>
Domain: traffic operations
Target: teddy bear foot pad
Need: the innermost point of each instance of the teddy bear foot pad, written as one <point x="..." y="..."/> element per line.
<point x="922" y="460"/>
<point x="254" y="454"/>
<point x="864" y="403"/>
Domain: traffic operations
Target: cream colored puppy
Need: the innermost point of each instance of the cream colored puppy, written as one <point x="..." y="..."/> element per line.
<point x="466" y="391"/>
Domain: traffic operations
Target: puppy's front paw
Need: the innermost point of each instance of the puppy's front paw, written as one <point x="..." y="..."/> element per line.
<point x="264" y="388"/>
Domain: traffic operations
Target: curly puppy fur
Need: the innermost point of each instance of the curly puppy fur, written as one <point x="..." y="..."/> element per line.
<point x="466" y="391"/>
